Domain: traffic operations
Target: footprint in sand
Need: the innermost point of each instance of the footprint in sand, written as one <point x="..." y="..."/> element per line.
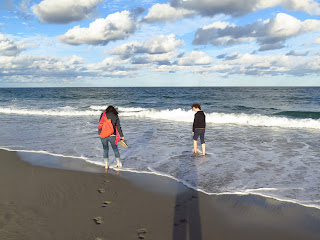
<point x="98" y="220"/>
<point x="142" y="232"/>
<point x="106" y="203"/>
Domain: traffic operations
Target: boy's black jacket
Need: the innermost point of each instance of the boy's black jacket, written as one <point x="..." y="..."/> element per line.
<point x="199" y="120"/>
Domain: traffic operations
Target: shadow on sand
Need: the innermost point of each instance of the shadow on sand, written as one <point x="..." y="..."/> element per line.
<point x="187" y="221"/>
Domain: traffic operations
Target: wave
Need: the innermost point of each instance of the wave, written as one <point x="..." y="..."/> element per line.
<point x="299" y="114"/>
<point x="178" y="115"/>
<point x="66" y="111"/>
<point x="242" y="119"/>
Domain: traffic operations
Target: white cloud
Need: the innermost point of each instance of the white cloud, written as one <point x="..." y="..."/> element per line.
<point x="316" y="41"/>
<point x="24" y="6"/>
<point x="109" y="63"/>
<point x="112" y="67"/>
<point x="162" y="44"/>
<point x="41" y="66"/>
<point x="25" y="67"/>
<point x="250" y="64"/>
<point x="243" y="7"/>
<point x="166" y="13"/>
<point x="194" y="58"/>
<point x="9" y="47"/>
<point x="155" y="45"/>
<point x="299" y="53"/>
<point x="168" y="68"/>
<point x="65" y="11"/>
<point x="114" y="27"/>
<point x="309" y="6"/>
<point x="160" y="59"/>
<point x="270" y="34"/>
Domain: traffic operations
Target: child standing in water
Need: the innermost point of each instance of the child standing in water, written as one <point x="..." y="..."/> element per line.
<point x="112" y="114"/>
<point x="198" y="129"/>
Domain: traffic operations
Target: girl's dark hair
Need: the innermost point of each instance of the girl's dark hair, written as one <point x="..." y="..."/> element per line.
<point x="196" y="105"/>
<point x="112" y="110"/>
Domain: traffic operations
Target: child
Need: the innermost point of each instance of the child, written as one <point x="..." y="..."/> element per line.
<point x="112" y="114"/>
<point x="199" y="126"/>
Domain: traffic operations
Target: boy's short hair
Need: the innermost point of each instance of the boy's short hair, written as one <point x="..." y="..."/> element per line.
<point x="196" y="105"/>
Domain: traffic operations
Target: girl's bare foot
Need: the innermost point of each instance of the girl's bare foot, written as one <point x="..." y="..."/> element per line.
<point x="106" y="162"/>
<point x="119" y="164"/>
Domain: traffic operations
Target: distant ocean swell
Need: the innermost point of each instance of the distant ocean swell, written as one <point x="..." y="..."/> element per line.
<point x="180" y="115"/>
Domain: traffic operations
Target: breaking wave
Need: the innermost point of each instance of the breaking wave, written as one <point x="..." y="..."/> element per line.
<point x="178" y="115"/>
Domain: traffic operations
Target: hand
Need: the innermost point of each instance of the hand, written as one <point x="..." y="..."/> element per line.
<point x="192" y="133"/>
<point x="122" y="138"/>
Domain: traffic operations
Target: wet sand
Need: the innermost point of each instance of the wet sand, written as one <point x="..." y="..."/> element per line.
<point x="37" y="202"/>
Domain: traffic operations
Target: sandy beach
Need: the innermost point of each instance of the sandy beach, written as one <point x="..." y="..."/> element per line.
<point x="38" y="202"/>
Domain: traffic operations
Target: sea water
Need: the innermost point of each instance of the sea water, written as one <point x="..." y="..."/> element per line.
<point x="262" y="141"/>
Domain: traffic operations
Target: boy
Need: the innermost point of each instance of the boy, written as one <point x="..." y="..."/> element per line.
<point x="198" y="129"/>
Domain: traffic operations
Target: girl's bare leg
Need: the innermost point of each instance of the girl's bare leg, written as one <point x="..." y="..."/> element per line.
<point x="106" y="161"/>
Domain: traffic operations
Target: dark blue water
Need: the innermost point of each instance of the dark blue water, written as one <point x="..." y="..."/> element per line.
<point x="259" y="140"/>
<point x="281" y="101"/>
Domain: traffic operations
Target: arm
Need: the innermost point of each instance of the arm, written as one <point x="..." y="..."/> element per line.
<point x="100" y="127"/>
<point x="193" y="126"/>
<point x="119" y="128"/>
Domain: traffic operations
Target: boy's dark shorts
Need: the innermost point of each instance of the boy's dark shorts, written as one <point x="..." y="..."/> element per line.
<point x="199" y="132"/>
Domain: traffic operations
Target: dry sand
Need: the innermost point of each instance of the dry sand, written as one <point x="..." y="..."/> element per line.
<point x="47" y="203"/>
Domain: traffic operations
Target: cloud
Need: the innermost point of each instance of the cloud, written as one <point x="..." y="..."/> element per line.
<point x="24" y="6"/>
<point x="256" y="65"/>
<point x="166" y="13"/>
<point x="114" y="27"/>
<point x="42" y="66"/>
<point x="160" y="59"/>
<point x="238" y="8"/>
<point x="25" y="67"/>
<point x="232" y="56"/>
<point x="168" y="68"/>
<point x="270" y="34"/>
<point x="156" y="45"/>
<point x="194" y="58"/>
<point x="9" y="47"/>
<point x="316" y="41"/>
<point x="65" y="11"/>
<point x="113" y="67"/>
<point x="297" y="53"/>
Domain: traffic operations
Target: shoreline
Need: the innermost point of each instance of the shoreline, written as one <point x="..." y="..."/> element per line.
<point x="58" y="161"/>
<point x="53" y="203"/>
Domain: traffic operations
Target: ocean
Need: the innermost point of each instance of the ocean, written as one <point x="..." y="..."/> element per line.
<point x="263" y="141"/>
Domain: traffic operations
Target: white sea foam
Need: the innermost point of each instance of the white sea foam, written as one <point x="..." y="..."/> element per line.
<point x="69" y="111"/>
<point x="222" y="118"/>
<point x="177" y="115"/>
<point x="264" y="192"/>
<point x="44" y="152"/>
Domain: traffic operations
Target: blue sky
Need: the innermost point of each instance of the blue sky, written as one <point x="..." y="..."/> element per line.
<point x="46" y="43"/>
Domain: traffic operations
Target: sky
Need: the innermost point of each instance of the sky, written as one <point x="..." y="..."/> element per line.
<point x="100" y="43"/>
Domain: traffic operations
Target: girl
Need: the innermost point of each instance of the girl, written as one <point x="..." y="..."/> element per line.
<point x="112" y="114"/>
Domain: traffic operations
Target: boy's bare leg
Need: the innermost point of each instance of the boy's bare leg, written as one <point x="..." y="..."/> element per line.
<point x="195" y="146"/>
<point x="203" y="149"/>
